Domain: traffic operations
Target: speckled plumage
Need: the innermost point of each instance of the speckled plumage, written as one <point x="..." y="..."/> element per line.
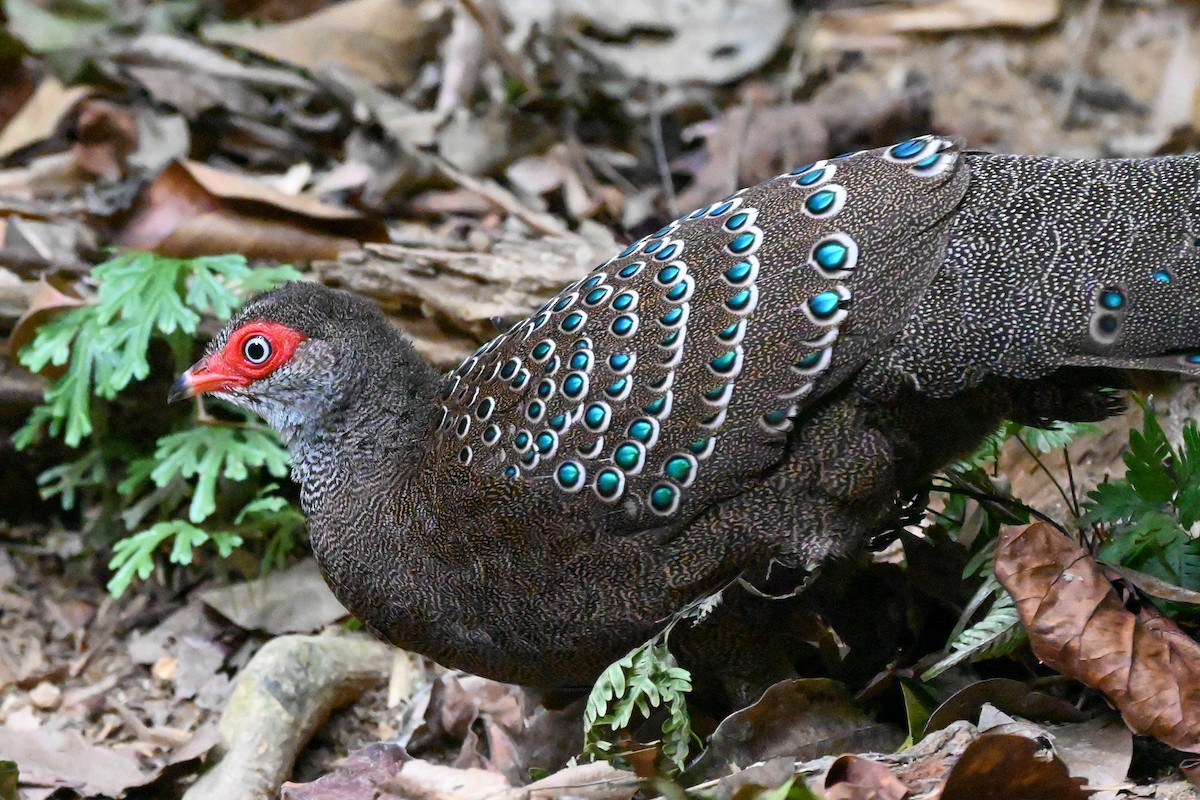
<point x="756" y="382"/>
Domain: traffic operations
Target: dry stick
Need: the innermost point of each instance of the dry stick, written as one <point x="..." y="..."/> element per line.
<point x="493" y="192"/>
<point x="495" y="44"/>
<point x="1062" y="492"/>
<point x="950" y="488"/>
<point x="285" y="692"/>
<point x="431" y="253"/>
<point x="1071" y="482"/>
<point x="611" y="173"/>
<point x="158" y="735"/>
<point x="1074" y="73"/>
<point x="660" y="154"/>
<point x="29" y="264"/>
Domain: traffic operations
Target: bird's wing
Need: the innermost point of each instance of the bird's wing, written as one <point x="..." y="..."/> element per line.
<point x="672" y="374"/>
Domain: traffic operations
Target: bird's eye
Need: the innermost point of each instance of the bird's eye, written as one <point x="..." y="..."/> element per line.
<point x="256" y="349"/>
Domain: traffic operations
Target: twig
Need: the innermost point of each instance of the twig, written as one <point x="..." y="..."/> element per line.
<point x="1074" y="72"/>
<point x="1037" y="460"/>
<point x="28" y="264"/>
<point x="1071" y="482"/>
<point x="950" y="488"/>
<point x="611" y="173"/>
<point x="506" y="200"/>
<point x="157" y="734"/>
<point x="432" y="253"/>
<point x="660" y="154"/>
<point x="495" y="44"/>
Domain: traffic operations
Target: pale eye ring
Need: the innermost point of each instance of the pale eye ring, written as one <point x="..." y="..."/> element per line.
<point x="256" y="349"/>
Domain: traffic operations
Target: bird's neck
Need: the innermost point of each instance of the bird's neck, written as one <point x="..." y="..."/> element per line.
<point x="373" y="440"/>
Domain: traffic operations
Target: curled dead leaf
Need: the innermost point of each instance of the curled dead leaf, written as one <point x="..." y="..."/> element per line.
<point x="381" y="41"/>
<point x="1143" y="663"/>
<point x="804" y="718"/>
<point x="1013" y="697"/>
<point x="192" y="209"/>
<point x="41" y="116"/>
<point x="52" y="298"/>
<point x="856" y="778"/>
<point x="1004" y="766"/>
<point x="1191" y="771"/>
<point x="106" y="134"/>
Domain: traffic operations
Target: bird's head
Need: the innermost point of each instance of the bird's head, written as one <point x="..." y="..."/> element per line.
<point x="297" y="355"/>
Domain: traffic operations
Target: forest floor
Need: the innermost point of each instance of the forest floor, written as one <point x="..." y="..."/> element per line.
<point x="458" y="161"/>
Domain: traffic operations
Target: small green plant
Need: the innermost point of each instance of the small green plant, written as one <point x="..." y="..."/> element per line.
<point x="646" y="678"/>
<point x="1148" y="518"/>
<point x="103" y="348"/>
<point x="998" y="631"/>
<point x="997" y="634"/>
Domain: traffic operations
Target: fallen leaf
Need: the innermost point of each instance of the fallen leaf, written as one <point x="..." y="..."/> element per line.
<point x="234" y="187"/>
<point x="1191" y="771"/>
<point x="1099" y="751"/>
<point x="1009" y="695"/>
<point x="763" y="136"/>
<point x="18" y="86"/>
<point x="839" y="28"/>
<point x="105" y="135"/>
<point x="358" y="776"/>
<point x="66" y="759"/>
<point x="51" y="299"/>
<point x="1143" y="663"/>
<point x="1001" y="766"/>
<point x="164" y="668"/>
<point x="853" y="777"/>
<point x="711" y="42"/>
<point x="381" y="41"/>
<point x="385" y="772"/>
<point x="293" y="600"/>
<point x="1155" y="587"/>
<point x="192" y="209"/>
<point x="41" y="116"/>
<point x="805" y="718"/>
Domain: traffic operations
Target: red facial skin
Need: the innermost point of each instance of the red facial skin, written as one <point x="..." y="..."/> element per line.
<point x="228" y="368"/>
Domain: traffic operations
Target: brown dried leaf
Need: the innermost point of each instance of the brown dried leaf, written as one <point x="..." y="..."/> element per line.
<point x="937" y="16"/>
<point x="999" y="766"/>
<point x="764" y="135"/>
<point x="805" y="718"/>
<point x="752" y="141"/>
<point x="1191" y="771"/>
<point x="48" y="301"/>
<point x="106" y="134"/>
<point x="234" y="187"/>
<point x="386" y="772"/>
<point x="1011" y="696"/>
<point x="1099" y="750"/>
<point x="66" y="759"/>
<point x="294" y="600"/>
<point x="192" y="209"/>
<point x="856" y="778"/>
<point x="1155" y="587"/>
<point x="484" y="716"/>
<point x="381" y="41"/>
<point x="1146" y="666"/>
<point x="41" y="116"/>
<point x="355" y="778"/>
<point x="18" y="86"/>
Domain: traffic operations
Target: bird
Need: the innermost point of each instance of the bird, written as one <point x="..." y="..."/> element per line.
<point x="754" y="385"/>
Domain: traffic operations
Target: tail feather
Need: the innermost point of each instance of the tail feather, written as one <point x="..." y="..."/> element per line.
<point x="1055" y="262"/>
